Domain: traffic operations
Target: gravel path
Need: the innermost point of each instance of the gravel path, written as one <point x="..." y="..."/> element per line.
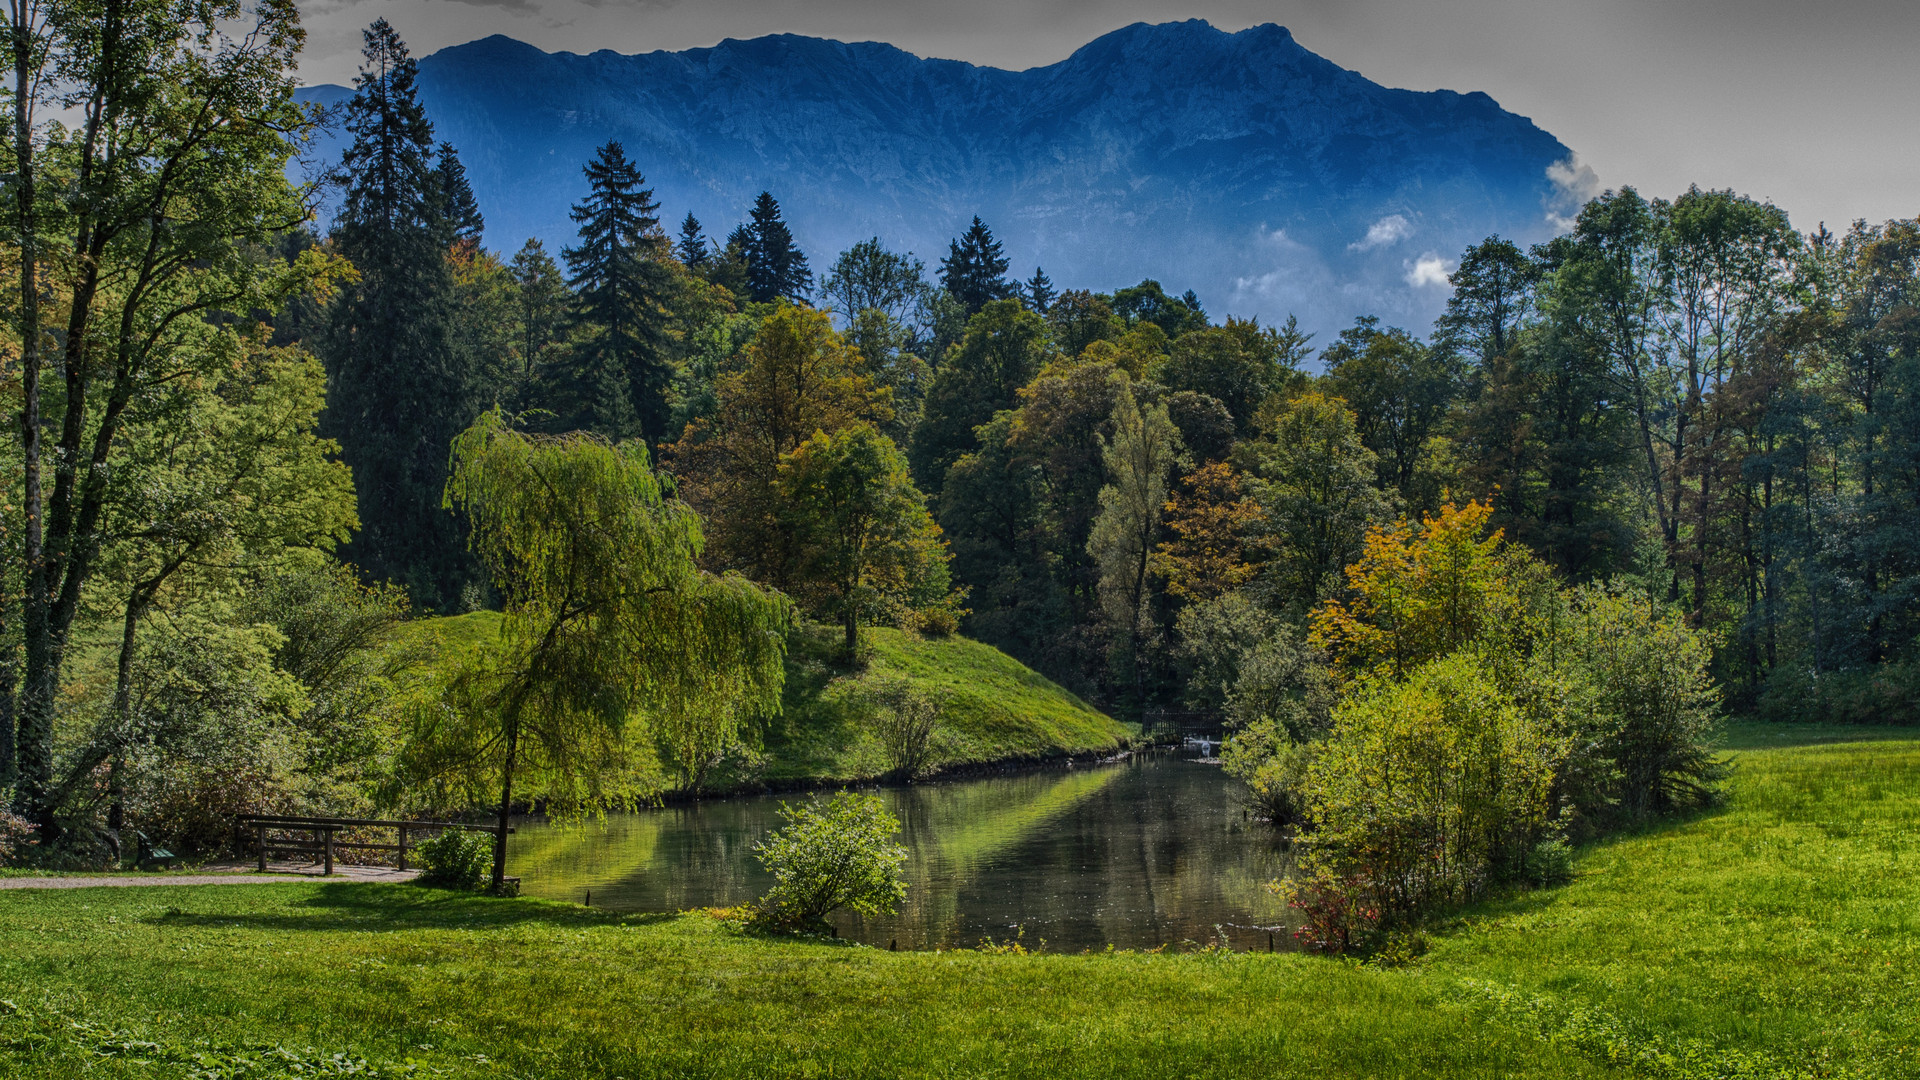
<point x="218" y="874"/>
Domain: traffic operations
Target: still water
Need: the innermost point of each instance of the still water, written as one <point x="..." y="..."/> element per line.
<point x="1149" y="851"/>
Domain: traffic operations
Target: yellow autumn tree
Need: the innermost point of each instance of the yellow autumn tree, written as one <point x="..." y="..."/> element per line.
<point x="1422" y="590"/>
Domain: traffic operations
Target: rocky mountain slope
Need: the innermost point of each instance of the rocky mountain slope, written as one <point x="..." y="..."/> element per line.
<point x="1242" y="165"/>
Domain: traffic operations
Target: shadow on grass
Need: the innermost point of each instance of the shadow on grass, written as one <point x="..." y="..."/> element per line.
<point x="1760" y="735"/>
<point x="381" y="908"/>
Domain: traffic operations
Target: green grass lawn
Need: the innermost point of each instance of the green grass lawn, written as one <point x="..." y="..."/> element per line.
<point x="1775" y="936"/>
<point x="994" y="708"/>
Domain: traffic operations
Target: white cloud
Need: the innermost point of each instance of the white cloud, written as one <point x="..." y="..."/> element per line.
<point x="1388" y="230"/>
<point x="1430" y="269"/>
<point x="1574" y="183"/>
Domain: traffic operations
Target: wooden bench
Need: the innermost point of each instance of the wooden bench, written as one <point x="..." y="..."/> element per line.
<point x="322" y="843"/>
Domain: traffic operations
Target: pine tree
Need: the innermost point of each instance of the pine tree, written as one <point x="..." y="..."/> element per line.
<point x="975" y="270"/>
<point x="775" y="266"/>
<point x="621" y="366"/>
<point x="399" y="390"/>
<point x="457" y="209"/>
<point x="694" y="249"/>
<point x="1040" y="292"/>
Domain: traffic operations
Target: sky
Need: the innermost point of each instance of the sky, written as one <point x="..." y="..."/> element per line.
<point x="1808" y="103"/>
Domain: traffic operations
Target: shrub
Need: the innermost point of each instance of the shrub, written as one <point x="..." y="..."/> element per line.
<point x="1653" y="702"/>
<point x="456" y="858"/>
<point x="837" y="855"/>
<point x="1274" y="768"/>
<point x="904" y="719"/>
<point x="15" y="834"/>
<point x="1428" y="790"/>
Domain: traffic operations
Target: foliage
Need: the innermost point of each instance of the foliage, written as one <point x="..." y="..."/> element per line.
<point x="776" y="269"/>
<point x="455" y="858"/>
<point x="1423" y="591"/>
<point x="1312" y="479"/>
<point x="1653" y="705"/>
<point x="1428" y="790"/>
<point x="798" y="378"/>
<point x="867" y="548"/>
<point x="975" y="270"/>
<point x="609" y="624"/>
<point x="1210" y="520"/>
<point x="830" y="856"/>
<point x="400" y="387"/>
<point x="16" y="833"/>
<point x="1266" y="757"/>
<point x="621" y="362"/>
<point x="906" y="719"/>
<point x="1144" y="449"/>
<point x="1004" y="348"/>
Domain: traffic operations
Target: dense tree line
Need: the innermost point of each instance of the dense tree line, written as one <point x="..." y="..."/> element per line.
<point x="1683" y="403"/>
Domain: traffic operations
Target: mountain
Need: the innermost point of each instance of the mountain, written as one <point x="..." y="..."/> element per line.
<point x="1242" y="166"/>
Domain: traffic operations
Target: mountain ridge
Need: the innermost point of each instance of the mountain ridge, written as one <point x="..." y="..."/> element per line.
<point x="1242" y="165"/>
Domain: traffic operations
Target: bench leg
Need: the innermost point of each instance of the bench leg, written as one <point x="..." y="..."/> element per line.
<point x="329" y="846"/>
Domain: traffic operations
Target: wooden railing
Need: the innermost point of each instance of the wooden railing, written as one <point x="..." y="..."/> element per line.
<point x="321" y="841"/>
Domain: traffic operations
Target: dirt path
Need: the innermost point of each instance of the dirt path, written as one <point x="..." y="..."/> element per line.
<point x="218" y="874"/>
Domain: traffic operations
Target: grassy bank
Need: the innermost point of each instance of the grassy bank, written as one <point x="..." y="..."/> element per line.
<point x="994" y="709"/>
<point x="1776" y="936"/>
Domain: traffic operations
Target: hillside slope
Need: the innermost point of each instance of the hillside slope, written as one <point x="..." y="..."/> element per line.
<point x="993" y="708"/>
<point x="1241" y="165"/>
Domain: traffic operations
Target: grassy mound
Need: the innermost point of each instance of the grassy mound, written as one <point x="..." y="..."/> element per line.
<point x="993" y="708"/>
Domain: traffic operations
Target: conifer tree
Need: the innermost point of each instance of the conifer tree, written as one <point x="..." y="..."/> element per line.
<point x="458" y="211"/>
<point x="693" y="249"/>
<point x="975" y="270"/>
<point x="1040" y="294"/>
<point x="776" y="269"/>
<point x="621" y="368"/>
<point x="399" y="389"/>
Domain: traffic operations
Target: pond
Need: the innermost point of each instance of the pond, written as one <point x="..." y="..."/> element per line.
<point x="1153" y="850"/>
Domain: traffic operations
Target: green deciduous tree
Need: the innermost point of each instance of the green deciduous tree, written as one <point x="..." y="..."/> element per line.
<point x="610" y="624"/>
<point x="1140" y="458"/>
<point x="146" y="176"/>
<point x="868" y="548"/>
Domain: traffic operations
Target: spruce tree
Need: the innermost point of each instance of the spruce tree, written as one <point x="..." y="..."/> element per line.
<point x="458" y="211"/>
<point x="621" y="369"/>
<point x="775" y="267"/>
<point x="1040" y="294"/>
<point x="975" y="270"/>
<point x="693" y="249"/>
<point x="543" y="302"/>
<point x="399" y="390"/>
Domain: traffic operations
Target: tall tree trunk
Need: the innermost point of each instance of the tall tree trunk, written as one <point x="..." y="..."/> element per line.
<point x="34" y="723"/>
<point x="506" y="801"/>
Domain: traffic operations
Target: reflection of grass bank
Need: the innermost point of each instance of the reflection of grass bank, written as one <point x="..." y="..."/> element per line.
<point x="474" y="988"/>
<point x="994" y="709"/>
<point x="970" y="826"/>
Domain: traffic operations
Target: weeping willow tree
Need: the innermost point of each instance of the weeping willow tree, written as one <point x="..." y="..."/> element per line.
<point x="612" y="636"/>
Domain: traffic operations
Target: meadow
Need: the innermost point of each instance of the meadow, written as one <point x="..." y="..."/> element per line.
<point x="1773" y="936"/>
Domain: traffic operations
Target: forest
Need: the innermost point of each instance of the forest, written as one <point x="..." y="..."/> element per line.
<point x="1657" y="467"/>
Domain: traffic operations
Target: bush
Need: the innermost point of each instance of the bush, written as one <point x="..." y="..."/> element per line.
<point x="1653" y="703"/>
<point x="904" y="719"/>
<point x="1274" y="768"/>
<point x="456" y="858"/>
<point x="832" y="856"/>
<point x="1428" y="790"/>
<point x="15" y="834"/>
